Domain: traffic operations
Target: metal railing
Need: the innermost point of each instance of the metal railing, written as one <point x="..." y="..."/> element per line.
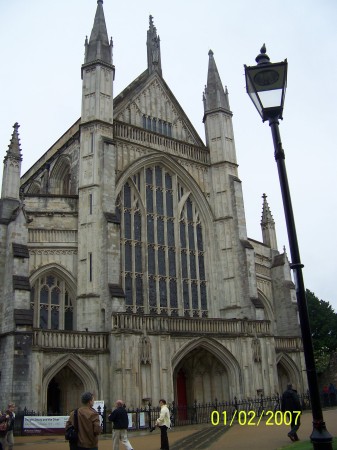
<point x="197" y="413"/>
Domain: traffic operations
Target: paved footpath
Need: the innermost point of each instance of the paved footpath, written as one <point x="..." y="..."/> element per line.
<point x="237" y="437"/>
<point x="271" y="437"/>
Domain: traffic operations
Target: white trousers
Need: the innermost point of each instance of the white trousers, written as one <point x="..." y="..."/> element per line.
<point x="120" y="435"/>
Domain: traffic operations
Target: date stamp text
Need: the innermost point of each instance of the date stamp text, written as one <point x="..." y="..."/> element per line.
<point x="251" y="418"/>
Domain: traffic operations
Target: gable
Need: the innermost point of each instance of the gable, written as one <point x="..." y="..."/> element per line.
<point x="149" y="103"/>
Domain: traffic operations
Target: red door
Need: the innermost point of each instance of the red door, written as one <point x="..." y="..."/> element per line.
<point x="182" y="395"/>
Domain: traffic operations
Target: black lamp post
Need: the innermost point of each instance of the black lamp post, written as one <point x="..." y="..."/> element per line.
<point x="266" y="86"/>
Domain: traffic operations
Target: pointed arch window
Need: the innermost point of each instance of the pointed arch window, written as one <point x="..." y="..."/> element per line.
<point x="52" y="304"/>
<point x="60" y="177"/>
<point x="162" y="255"/>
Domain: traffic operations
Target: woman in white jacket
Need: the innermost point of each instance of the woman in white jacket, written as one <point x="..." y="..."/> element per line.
<point x="163" y="422"/>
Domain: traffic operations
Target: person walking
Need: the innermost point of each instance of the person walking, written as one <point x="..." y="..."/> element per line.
<point x="7" y="438"/>
<point x="290" y="403"/>
<point x="88" y="423"/>
<point x="120" y="420"/>
<point x="163" y="422"/>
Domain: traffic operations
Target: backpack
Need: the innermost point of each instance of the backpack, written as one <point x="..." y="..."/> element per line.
<point x="71" y="433"/>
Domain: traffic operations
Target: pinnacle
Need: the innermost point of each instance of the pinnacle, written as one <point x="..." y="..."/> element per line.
<point x="14" y="149"/>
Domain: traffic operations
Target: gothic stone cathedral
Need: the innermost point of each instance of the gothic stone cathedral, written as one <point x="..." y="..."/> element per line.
<point x="125" y="265"/>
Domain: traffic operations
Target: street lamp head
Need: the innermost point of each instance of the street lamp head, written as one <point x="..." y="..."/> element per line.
<point x="266" y="85"/>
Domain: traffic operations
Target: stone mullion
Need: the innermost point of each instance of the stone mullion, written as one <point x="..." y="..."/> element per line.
<point x="145" y="260"/>
<point x="155" y="231"/>
<point x="133" y="262"/>
<point x="37" y="303"/>
<point x="55" y="306"/>
<point x="188" y="259"/>
<point x="177" y="244"/>
<point x="49" y="307"/>
<point x="167" y="270"/>
<point x="122" y="227"/>
<point x="143" y="242"/>
<point x="196" y="256"/>
<point x="61" y="305"/>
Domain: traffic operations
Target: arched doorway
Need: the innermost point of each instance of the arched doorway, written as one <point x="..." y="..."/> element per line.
<point x="64" y="392"/>
<point x="288" y="372"/>
<point x="71" y="375"/>
<point x="283" y="377"/>
<point x="201" y="377"/>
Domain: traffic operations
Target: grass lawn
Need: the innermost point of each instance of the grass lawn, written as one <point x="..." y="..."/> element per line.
<point x="306" y="445"/>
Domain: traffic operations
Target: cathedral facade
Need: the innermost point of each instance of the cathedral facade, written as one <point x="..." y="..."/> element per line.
<point x="125" y="265"/>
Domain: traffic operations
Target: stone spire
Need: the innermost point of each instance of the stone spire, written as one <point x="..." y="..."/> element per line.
<point x="97" y="86"/>
<point x="14" y="149"/>
<point x="215" y="97"/>
<point x="218" y="119"/>
<point x="12" y="167"/>
<point x="153" y="49"/>
<point x="268" y="225"/>
<point x="98" y="48"/>
<point x="96" y="183"/>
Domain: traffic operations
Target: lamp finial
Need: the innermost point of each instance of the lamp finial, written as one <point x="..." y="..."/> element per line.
<point x="263" y="58"/>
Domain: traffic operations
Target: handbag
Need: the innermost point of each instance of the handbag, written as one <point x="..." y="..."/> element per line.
<point x="71" y="433"/>
<point x="4" y="426"/>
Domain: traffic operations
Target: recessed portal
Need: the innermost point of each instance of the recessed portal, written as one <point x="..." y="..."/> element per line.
<point x="64" y="392"/>
<point x="200" y="377"/>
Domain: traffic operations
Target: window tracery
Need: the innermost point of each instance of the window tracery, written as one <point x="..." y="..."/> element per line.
<point x="52" y="304"/>
<point x="162" y="255"/>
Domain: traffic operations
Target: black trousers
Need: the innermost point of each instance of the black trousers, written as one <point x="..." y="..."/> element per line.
<point x="164" y="444"/>
<point x="295" y="424"/>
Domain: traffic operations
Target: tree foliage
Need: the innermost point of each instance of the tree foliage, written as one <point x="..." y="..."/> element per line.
<point x="323" y="324"/>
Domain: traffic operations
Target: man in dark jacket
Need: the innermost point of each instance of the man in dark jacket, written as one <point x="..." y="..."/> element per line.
<point x="291" y="405"/>
<point x="120" y="420"/>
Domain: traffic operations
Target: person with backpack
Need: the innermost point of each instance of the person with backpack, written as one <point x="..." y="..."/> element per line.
<point x="7" y="428"/>
<point x="86" y="420"/>
<point x="291" y="404"/>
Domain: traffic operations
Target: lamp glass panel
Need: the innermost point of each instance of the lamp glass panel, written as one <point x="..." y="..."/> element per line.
<point x="271" y="99"/>
<point x="252" y="93"/>
<point x="257" y="103"/>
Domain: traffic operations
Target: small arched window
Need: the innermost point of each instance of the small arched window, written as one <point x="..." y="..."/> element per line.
<point x="52" y="304"/>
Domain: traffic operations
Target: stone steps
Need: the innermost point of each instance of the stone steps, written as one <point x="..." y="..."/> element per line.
<point x="201" y="439"/>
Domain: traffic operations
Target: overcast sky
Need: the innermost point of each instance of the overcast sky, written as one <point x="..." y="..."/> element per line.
<point x="43" y="48"/>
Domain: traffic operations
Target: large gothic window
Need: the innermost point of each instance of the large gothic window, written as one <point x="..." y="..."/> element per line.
<point x="163" y="266"/>
<point x="52" y="304"/>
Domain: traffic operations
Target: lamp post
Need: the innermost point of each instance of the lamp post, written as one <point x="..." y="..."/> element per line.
<point x="266" y="86"/>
